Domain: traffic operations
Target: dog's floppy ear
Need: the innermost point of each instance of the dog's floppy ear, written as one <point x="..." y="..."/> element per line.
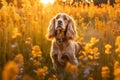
<point x="51" y="29"/>
<point x="71" y="31"/>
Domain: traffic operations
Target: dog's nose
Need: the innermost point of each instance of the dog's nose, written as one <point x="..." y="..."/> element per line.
<point x="59" y="22"/>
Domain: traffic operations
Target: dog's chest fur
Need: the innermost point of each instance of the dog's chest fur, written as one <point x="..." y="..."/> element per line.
<point x="62" y="52"/>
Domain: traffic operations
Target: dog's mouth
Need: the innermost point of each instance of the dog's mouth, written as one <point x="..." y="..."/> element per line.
<point x="59" y="28"/>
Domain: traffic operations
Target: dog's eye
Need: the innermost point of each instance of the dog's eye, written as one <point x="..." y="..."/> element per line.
<point x="65" y="18"/>
<point x="57" y="17"/>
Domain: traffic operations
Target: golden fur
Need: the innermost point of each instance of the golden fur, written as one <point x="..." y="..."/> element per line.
<point x="62" y="31"/>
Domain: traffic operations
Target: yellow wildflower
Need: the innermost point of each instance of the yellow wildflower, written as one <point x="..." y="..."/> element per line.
<point x="36" y="51"/>
<point x="53" y="78"/>
<point x="36" y="48"/>
<point x="107" y="48"/>
<point x="116" y="65"/>
<point x="117" y="74"/>
<point x="36" y="63"/>
<point x="90" y="57"/>
<point x="16" y="33"/>
<point x="117" y="43"/>
<point x="81" y="57"/>
<point x="117" y="50"/>
<point x="35" y="54"/>
<point x="28" y="40"/>
<point x="19" y="59"/>
<point x="94" y="40"/>
<point x="81" y="39"/>
<point x="10" y="71"/>
<point x="41" y="72"/>
<point x="105" y="72"/>
<point x="90" y="78"/>
<point x="70" y="68"/>
<point x="89" y="46"/>
<point x="95" y="50"/>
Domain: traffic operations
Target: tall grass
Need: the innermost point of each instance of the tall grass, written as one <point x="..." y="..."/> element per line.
<point x="23" y="25"/>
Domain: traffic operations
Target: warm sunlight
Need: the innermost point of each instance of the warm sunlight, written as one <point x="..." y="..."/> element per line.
<point x="59" y="39"/>
<point x="47" y="1"/>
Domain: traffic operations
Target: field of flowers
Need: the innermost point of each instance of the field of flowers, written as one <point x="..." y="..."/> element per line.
<point x="24" y="48"/>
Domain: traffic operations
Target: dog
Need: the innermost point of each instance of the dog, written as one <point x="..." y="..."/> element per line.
<point x="64" y="49"/>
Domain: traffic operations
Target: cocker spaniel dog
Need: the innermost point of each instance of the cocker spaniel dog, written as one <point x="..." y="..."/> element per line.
<point x="62" y="31"/>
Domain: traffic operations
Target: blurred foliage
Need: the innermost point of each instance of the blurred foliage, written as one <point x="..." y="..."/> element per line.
<point x="23" y="29"/>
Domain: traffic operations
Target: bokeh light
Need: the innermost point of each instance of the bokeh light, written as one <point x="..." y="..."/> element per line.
<point x="47" y="1"/>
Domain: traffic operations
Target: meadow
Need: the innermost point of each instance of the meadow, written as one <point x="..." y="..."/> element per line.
<point x="24" y="47"/>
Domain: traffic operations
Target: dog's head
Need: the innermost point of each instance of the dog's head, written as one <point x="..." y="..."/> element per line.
<point x="62" y="22"/>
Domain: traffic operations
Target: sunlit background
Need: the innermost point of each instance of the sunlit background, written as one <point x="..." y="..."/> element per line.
<point x="24" y="48"/>
<point x="64" y="1"/>
<point x="47" y="1"/>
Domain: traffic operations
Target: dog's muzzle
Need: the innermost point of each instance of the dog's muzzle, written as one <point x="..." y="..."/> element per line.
<point x="59" y="25"/>
<point x="59" y="28"/>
